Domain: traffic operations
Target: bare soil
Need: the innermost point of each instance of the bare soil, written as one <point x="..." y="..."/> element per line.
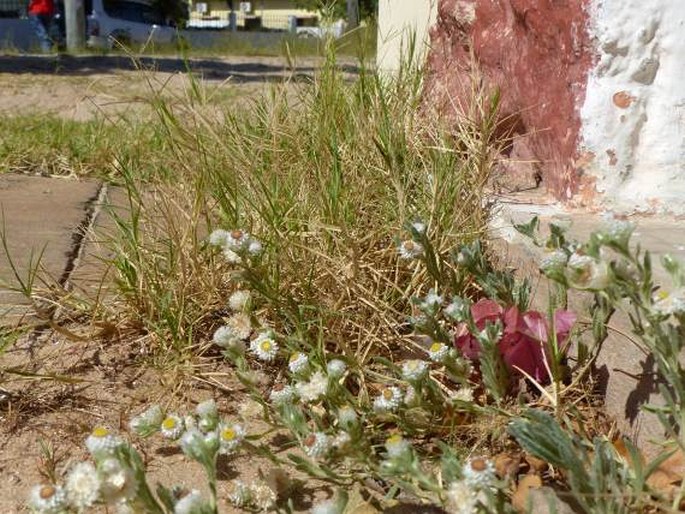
<point x="56" y="385"/>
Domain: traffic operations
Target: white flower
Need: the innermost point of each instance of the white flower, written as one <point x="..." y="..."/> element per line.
<point x="316" y="444"/>
<point x="414" y="370"/>
<point x="347" y="417"/>
<point x="326" y="507"/>
<point x="241" y="325"/>
<point x="225" y="337"/>
<point x="230" y="437"/>
<point x="207" y="409"/>
<point x="193" y="444"/>
<point x="410" y="397"/>
<point x="616" y="230"/>
<point x="410" y="250"/>
<point x="262" y="496"/>
<point x="314" y="389"/>
<point x="236" y="240"/>
<point x="396" y="446"/>
<point x="208" y="414"/>
<point x="191" y="503"/>
<point x="239" y="300"/>
<point x="172" y="427"/>
<point x="218" y="237"/>
<point x="148" y="422"/>
<point x="281" y="394"/>
<point x="419" y="227"/>
<point x="254" y="247"/>
<point x="463" y="394"/>
<point x="298" y="362"/>
<point x="264" y="347"/>
<point x="389" y="399"/>
<point x="231" y="256"/>
<point x="341" y="440"/>
<point x="461" y="498"/>
<point x="586" y="272"/>
<point x="456" y="309"/>
<point x="432" y="300"/>
<point x="48" y="499"/>
<point x="102" y="443"/>
<point x="554" y="262"/>
<point x="82" y="486"/>
<point x="240" y="496"/>
<point x="336" y="368"/>
<point x="667" y="303"/>
<point x="438" y="352"/>
<point x="479" y="473"/>
<point x="117" y="482"/>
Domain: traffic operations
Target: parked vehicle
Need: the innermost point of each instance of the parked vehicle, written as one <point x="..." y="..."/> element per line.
<point x="122" y="21"/>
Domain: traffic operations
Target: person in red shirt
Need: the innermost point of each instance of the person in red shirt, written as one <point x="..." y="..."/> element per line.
<point x="40" y="16"/>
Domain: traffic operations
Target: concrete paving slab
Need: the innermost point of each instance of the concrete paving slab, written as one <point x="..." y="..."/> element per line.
<point x="41" y="214"/>
<point x="624" y="370"/>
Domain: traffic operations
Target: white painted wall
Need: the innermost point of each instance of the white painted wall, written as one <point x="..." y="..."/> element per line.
<point x="397" y="19"/>
<point x="639" y="150"/>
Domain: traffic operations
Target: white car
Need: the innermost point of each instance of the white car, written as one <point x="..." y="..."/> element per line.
<point x="126" y="21"/>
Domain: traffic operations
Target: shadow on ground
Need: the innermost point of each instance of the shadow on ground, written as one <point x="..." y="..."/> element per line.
<point x="242" y="69"/>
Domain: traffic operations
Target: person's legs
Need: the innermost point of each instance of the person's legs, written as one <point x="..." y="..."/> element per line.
<point x="40" y="26"/>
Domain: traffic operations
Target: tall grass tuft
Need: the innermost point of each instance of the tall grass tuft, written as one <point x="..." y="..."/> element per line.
<point x="326" y="174"/>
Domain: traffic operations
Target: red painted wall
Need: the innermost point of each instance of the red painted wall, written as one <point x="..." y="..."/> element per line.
<point x="538" y="52"/>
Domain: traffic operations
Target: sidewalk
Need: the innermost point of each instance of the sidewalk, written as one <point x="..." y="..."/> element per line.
<point x="625" y="372"/>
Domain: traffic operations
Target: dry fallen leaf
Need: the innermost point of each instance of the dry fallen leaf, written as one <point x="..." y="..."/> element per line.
<point x="507" y="465"/>
<point x="519" y="499"/>
<point x="537" y="465"/>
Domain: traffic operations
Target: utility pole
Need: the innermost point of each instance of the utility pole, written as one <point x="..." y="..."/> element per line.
<point x="75" y="21"/>
<point x="352" y="14"/>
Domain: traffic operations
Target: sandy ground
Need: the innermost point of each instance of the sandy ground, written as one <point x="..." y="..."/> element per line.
<point x="55" y="387"/>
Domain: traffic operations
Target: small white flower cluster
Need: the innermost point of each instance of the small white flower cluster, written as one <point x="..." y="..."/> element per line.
<point x="414" y="370"/>
<point x="667" y="303"/>
<point x="327" y="507"/>
<point x="230" y="437"/>
<point x="299" y="363"/>
<point x="554" y="262"/>
<point x="336" y="368"/>
<point x="148" y="422"/>
<point x="314" y="389"/>
<point x="111" y="482"/>
<point x="172" y="427"/>
<point x="234" y="333"/>
<point x="464" y="496"/>
<point x="317" y="445"/>
<point x="239" y="301"/>
<point x="236" y="244"/>
<point x="410" y="250"/>
<point x="257" y="494"/>
<point x="586" y="272"/>
<point x="439" y="352"/>
<point x="281" y="394"/>
<point x="432" y="302"/>
<point x="396" y="446"/>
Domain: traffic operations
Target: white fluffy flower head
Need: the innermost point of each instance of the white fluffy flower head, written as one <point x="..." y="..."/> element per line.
<point x="191" y="503"/>
<point x="396" y="446"/>
<point x="410" y="250"/>
<point x="82" y="486"/>
<point x="414" y="370"/>
<point x="314" y="389"/>
<point x="479" y="472"/>
<point x="265" y="347"/>
<point x="239" y="301"/>
<point x="316" y="444"/>
<point x="218" y="237"/>
<point x="230" y="437"/>
<point x="240" y="495"/>
<point x="148" y="422"/>
<point x="102" y="443"/>
<point x="117" y="482"/>
<point x="172" y="427"/>
<point x="281" y="393"/>
<point x="389" y="399"/>
<point x="326" y="507"/>
<point x="438" y="352"/>
<point x="298" y="362"/>
<point x="48" y="499"/>
<point x="336" y="368"/>
<point x="347" y="417"/>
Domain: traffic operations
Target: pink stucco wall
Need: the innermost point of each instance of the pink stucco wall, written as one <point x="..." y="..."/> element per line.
<point x="538" y="52"/>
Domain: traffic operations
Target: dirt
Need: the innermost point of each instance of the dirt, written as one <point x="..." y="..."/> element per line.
<point x="56" y="384"/>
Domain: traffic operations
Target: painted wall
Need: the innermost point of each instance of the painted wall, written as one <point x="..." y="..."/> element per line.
<point x="397" y="19"/>
<point x="592" y="89"/>
<point x="633" y="115"/>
